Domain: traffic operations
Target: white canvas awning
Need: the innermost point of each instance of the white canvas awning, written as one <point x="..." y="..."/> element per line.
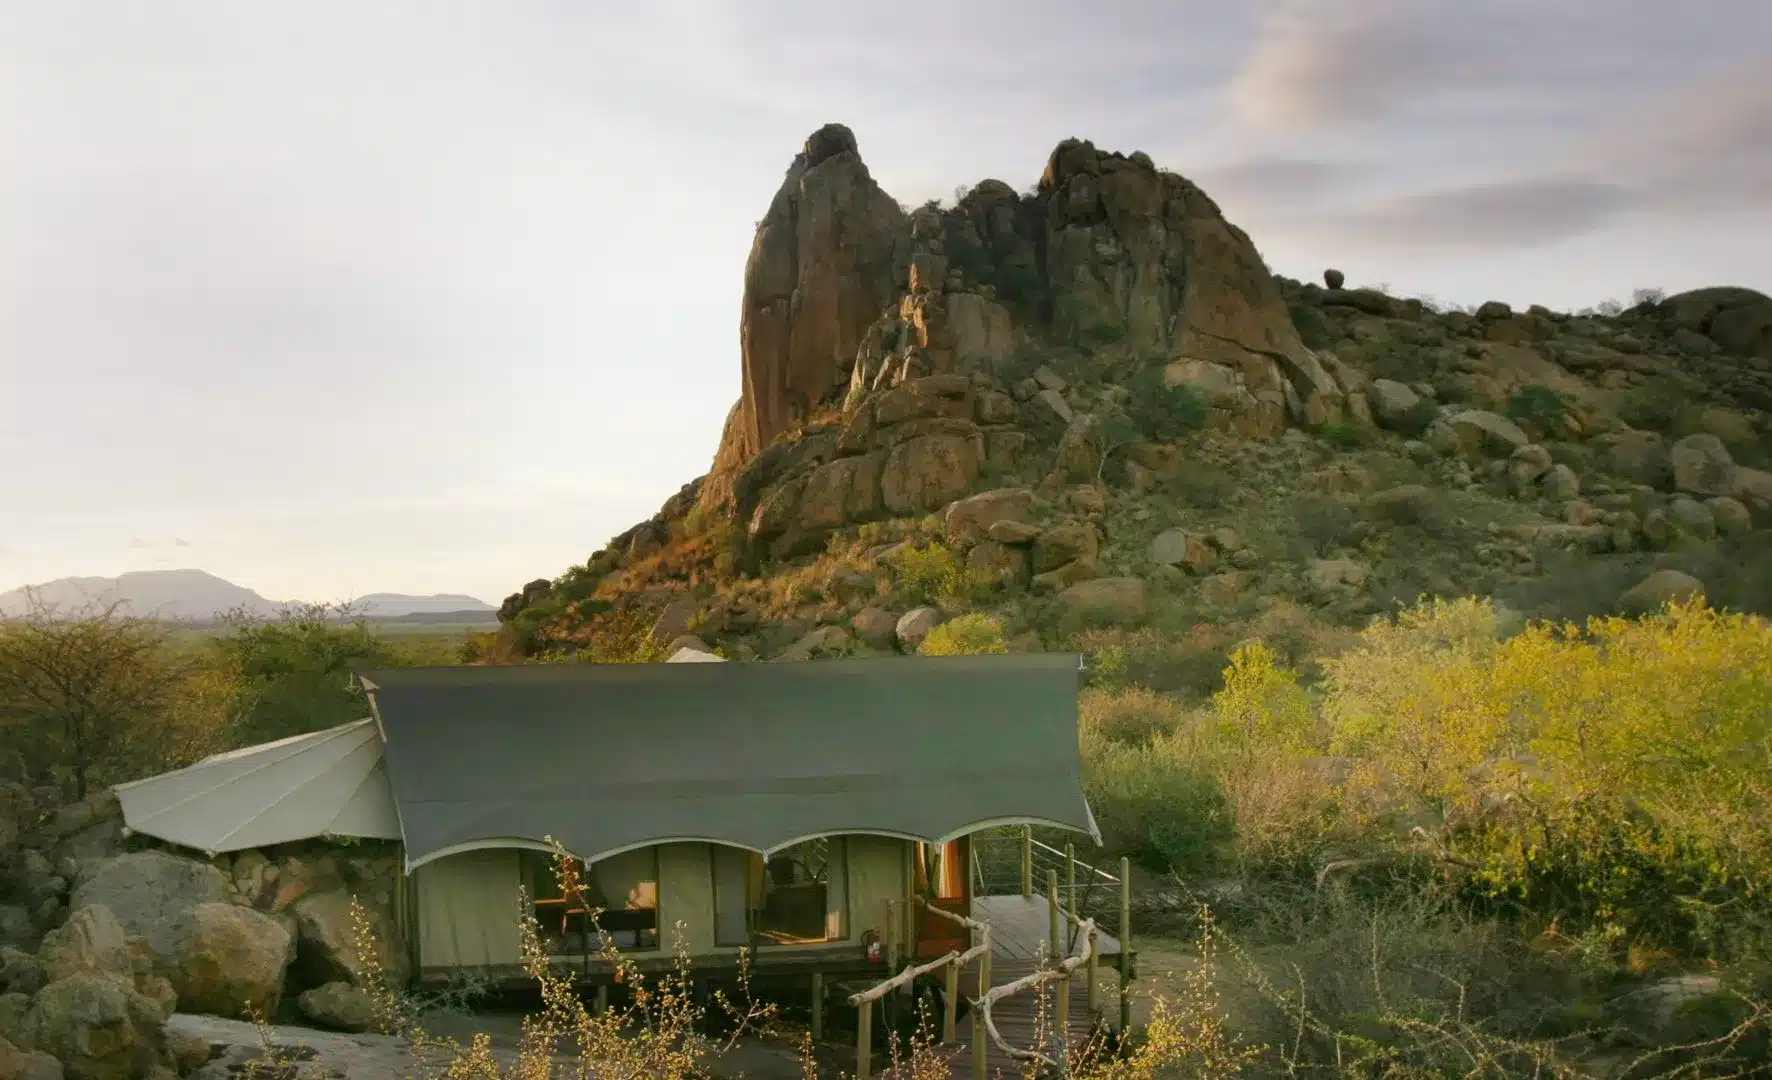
<point x="326" y="783"/>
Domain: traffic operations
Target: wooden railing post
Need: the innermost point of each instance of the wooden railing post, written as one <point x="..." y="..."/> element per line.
<point x="818" y="1006"/>
<point x="1027" y="862"/>
<point x="951" y="1004"/>
<point x="1070" y="884"/>
<point x="864" y="1039"/>
<point x="1094" y="977"/>
<point x="1052" y="914"/>
<point x="1125" y="945"/>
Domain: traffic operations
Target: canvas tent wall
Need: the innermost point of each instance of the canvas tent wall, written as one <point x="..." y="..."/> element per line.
<point x="322" y="784"/>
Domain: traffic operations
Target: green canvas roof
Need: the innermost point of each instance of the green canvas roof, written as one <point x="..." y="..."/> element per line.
<point x="604" y="757"/>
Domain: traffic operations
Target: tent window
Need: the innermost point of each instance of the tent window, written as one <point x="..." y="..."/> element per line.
<point x="623" y="889"/>
<point x="801" y="894"/>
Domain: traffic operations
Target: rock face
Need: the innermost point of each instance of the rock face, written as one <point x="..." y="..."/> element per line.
<point x="826" y="259"/>
<point x="849" y="302"/>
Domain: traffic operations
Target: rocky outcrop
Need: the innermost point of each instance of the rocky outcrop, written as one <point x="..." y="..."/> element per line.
<point x="848" y="301"/>
<point x="828" y="256"/>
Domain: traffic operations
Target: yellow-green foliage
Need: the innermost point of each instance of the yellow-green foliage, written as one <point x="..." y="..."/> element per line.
<point x="1262" y="708"/>
<point x="1616" y="772"/>
<point x="964" y="635"/>
<point x="932" y="574"/>
<point x="1615" y="776"/>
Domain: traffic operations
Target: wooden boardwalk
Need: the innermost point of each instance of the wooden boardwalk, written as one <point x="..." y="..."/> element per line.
<point x="1020" y="930"/>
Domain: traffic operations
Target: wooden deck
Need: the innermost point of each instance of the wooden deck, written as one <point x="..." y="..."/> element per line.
<point x="1021" y="928"/>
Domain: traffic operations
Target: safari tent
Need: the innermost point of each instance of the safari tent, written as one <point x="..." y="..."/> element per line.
<point x="774" y="806"/>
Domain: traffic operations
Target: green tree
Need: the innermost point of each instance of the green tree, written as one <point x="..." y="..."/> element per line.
<point x="295" y="669"/>
<point x="86" y="695"/>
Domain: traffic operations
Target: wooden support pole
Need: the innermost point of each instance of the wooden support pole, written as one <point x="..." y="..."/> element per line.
<point x="1061" y="1013"/>
<point x="818" y="1006"/>
<point x="864" y="1040"/>
<point x="951" y="1004"/>
<point x="1125" y="945"/>
<point x="980" y="1037"/>
<point x="602" y="998"/>
<point x="892" y="925"/>
<point x="1027" y="862"/>
<point x="1052" y="914"/>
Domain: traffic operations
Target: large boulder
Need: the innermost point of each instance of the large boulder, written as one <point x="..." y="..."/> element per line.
<point x="1702" y="466"/>
<point x="1108" y="600"/>
<point x="229" y="961"/>
<point x="327" y="941"/>
<point x="1659" y="589"/>
<point x="91" y="941"/>
<point x="98" y="1027"/>
<point x="971" y="518"/>
<point x="1739" y="320"/>
<point x="341" y="1006"/>
<point x="149" y="892"/>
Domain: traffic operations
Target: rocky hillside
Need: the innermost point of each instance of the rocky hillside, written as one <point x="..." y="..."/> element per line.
<point x="1092" y="402"/>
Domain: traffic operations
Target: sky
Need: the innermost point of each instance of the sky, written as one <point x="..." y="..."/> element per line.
<point x="437" y="296"/>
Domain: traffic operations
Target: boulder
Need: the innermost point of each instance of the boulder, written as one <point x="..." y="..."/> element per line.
<point x="1178" y="547"/>
<point x="824" y="640"/>
<point x="970" y="519"/>
<point x="1110" y="599"/>
<point x="1012" y="532"/>
<point x="674" y="621"/>
<point x="148" y="891"/>
<point x="327" y="938"/>
<point x="341" y="1006"/>
<point x="997" y="562"/>
<point x="1392" y="403"/>
<point x="1657" y="591"/>
<point x="1702" y="466"/>
<point x="20" y="972"/>
<point x="1477" y="433"/>
<point x="98" y="1027"/>
<point x="875" y="627"/>
<point x="91" y="941"/>
<point x="928" y="471"/>
<point x="16" y="1064"/>
<point x="230" y="960"/>
<point x="1065" y="543"/>
<point x="914" y="625"/>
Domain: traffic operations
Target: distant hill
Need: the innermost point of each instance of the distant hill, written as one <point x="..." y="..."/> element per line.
<point x="199" y="596"/>
<point x="163" y="594"/>
<point x="384" y="605"/>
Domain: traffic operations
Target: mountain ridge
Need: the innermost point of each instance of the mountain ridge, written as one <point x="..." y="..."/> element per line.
<point x="192" y="594"/>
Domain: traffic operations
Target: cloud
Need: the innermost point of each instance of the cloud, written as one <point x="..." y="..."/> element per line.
<point x="1351" y="62"/>
<point x="1333" y="62"/>
<point x="1271" y="180"/>
<point x="1704" y="147"/>
<point x="1499" y="216"/>
<point x="137" y="543"/>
